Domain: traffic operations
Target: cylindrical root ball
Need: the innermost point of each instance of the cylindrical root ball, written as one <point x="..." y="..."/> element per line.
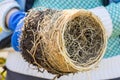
<point x="64" y="41"/>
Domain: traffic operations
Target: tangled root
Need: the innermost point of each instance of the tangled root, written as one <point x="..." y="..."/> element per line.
<point x="83" y="40"/>
<point x="64" y="41"/>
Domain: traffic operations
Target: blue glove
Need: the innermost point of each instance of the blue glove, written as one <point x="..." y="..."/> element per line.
<point x="15" y="24"/>
<point x="5" y="33"/>
<point x="16" y="35"/>
<point x="14" y="20"/>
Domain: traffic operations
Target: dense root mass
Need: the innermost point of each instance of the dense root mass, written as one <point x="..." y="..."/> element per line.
<point x="62" y="42"/>
<point x="83" y="40"/>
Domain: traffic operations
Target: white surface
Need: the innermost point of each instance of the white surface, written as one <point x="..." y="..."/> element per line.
<point x="107" y="69"/>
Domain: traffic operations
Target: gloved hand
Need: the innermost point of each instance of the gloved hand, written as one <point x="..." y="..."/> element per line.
<point x="14" y="20"/>
<point x="5" y="32"/>
<point x="19" y="16"/>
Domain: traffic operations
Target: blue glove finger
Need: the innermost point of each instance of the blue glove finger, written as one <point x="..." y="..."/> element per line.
<point x="16" y="36"/>
<point x="14" y="19"/>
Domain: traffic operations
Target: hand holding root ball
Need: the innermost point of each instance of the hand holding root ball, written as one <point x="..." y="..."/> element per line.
<point x="62" y="42"/>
